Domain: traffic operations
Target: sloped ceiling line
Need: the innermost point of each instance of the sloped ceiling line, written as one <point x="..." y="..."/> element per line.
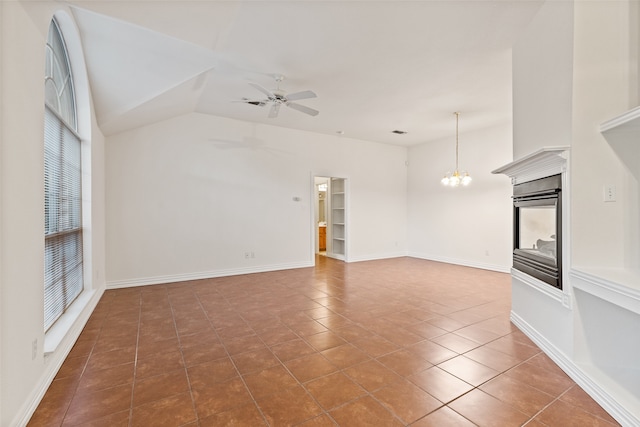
<point x="129" y="65"/>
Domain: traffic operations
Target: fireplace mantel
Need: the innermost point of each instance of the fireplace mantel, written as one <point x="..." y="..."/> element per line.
<point x="545" y="162"/>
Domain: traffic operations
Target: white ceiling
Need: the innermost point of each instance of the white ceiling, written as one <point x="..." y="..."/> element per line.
<point x="376" y="66"/>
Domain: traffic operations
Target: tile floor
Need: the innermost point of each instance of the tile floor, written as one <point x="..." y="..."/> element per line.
<point x="381" y="343"/>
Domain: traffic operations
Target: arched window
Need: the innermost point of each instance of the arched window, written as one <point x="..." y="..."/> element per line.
<point x="62" y="183"/>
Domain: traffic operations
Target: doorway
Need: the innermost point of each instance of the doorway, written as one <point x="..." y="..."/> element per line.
<point x="330" y="217"/>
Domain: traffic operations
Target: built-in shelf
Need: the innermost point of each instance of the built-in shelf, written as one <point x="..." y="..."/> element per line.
<point x="618" y="286"/>
<point x="338" y="218"/>
<point x="626" y="122"/>
<point x="606" y="340"/>
<point x="622" y="133"/>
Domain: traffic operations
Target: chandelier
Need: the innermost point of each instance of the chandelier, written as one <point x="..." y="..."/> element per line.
<point x="455" y="179"/>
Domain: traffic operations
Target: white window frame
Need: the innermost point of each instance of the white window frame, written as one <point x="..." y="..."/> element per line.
<point x="63" y="184"/>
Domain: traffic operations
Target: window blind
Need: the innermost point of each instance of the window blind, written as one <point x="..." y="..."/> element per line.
<point x="63" y="217"/>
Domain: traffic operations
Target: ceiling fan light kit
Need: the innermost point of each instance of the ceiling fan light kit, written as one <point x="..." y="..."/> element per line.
<point x="456" y="178"/>
<point x="278" y="97"/>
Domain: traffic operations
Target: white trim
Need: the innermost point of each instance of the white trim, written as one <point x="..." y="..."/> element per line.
<point x="621" y="287"/>
<point x="373" y="257"/>
<point x="540" y="286"/>
<point x="462" y="262"/>
<point x="628" y="121"/>
<point x="184" y="277"/>
<point x="545" y="162"/>
<point x="54" y="360"/>
<point x="65" y="323"/>
<point x="158" y="280"/>
<point x="339" y="257"/>
<point x="577" y="374"/>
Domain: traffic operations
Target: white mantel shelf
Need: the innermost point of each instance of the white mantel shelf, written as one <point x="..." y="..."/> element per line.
<point x="545" y="162"/>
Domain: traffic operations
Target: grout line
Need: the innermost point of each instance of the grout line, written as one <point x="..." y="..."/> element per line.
<point x="545" y="407"/>
<point x="135" y="360"/>
<point x="184" y="363"/>
<point x="84" y="368"/>
<point x="215" y="331"/>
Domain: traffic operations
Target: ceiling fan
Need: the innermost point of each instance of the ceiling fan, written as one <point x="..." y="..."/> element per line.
<point x="279" y="97"/>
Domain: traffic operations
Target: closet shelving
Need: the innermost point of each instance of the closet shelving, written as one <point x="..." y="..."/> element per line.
<point x="338" y="217"/>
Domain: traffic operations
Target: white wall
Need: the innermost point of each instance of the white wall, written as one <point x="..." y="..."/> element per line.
<point x="24" y="29"/>
<point x="187" y="197"/>
<point x="465" y="225"/>
<point x="542" y="93"/>
<point x="604" y="234"/>
<point x="2" y="38"/>
<point x="542" y="80"/>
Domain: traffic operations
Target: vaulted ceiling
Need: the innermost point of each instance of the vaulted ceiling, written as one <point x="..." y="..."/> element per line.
<point x="376" y="66"/>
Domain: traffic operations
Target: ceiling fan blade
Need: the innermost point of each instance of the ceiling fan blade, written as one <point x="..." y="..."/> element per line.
<point x="258" y="102"/>
<point x="273" y="112"/>
<point x="305" y="94"/>
<point x="263" y="90"/>
<point x="302" y="108"/>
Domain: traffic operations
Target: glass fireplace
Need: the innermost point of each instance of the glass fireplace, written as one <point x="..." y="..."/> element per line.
<point x="537" y="246"/>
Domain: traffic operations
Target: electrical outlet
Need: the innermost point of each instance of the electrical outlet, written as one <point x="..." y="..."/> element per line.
<point x="34" y="349"/>
<point x="609" y="193"/>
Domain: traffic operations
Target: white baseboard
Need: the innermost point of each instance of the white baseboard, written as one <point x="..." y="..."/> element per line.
<point x="377" y="256"/>
<point x="184" y="277"/>
<point x="465" y="263"/>
<point x="54" y="360"/>
<point x="577" y="374"/>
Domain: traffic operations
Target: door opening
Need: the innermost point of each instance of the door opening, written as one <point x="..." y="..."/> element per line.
<point x="330" y="217"/>
<point x="322" y="202"/>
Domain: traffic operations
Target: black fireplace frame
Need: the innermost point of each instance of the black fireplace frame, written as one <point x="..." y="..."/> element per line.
<point x="541" y="192"/>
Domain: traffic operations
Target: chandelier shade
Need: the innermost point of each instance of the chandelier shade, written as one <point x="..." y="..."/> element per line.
<point x="456" y="178"/>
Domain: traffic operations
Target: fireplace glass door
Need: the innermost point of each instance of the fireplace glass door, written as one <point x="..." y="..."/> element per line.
<point x="537" y="237"/>
<point x="537" y="229"/>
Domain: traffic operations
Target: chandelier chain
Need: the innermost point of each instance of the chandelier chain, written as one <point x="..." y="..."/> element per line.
<point x="457" y="113"/>
<point x="456" y="178"/>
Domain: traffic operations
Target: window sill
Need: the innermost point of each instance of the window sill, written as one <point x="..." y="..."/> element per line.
<point x="61" y="328"/>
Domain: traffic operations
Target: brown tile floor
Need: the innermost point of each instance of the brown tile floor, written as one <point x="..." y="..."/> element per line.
<point x="382" y="343"/>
